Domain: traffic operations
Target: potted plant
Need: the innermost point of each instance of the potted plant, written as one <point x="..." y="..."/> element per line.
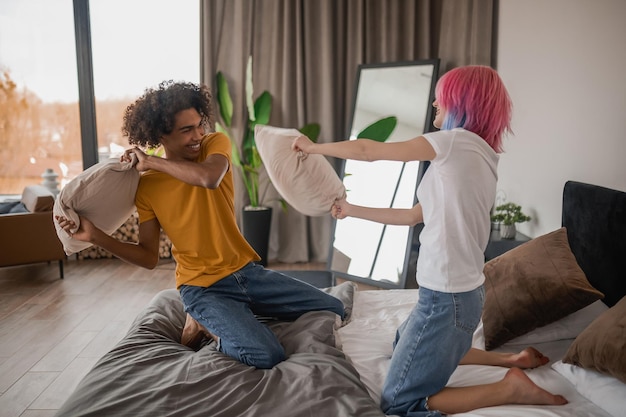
<point x="256" y="215"/>
<point x="508" y="215"/>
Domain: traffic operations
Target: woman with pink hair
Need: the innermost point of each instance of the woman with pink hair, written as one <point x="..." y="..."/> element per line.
<point x="473" y="112"/>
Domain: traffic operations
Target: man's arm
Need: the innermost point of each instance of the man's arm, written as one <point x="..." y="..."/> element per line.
<point x="208" y="173"/>
<point x="145" y="253"/>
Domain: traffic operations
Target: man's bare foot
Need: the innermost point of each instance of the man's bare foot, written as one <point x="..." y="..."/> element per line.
<point x="525" y="391"/>
<point x="528" y="358"/>
<point x="194" y="333"/>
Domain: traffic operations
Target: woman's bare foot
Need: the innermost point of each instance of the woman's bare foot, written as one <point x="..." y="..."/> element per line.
<point x="515" y="388"/>
<point x="528" y="358"/>
<point x="525" y="391"/>
<point x="194" y="333"/>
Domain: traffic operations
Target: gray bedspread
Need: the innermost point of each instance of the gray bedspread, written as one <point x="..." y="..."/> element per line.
<point x="149" y="373"/>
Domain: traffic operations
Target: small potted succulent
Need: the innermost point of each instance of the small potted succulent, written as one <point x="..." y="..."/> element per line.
<point x="507" y="215"/>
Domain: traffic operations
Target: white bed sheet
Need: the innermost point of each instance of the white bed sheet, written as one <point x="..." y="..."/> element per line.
<point x="367" y="341"/>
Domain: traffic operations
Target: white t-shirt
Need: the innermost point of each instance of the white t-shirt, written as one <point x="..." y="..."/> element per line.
<point x="456" y="193"/>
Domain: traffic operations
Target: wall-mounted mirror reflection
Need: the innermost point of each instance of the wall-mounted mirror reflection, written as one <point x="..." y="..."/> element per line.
<point x="393" y="102"/>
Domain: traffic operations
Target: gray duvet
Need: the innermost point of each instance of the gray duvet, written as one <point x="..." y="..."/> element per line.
<point x="149" y="373"/>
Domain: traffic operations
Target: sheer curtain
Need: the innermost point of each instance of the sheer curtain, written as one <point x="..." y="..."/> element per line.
<point x="306" y="54"/>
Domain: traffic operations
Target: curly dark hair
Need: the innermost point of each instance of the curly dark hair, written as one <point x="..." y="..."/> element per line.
<point x="152" y="114"/>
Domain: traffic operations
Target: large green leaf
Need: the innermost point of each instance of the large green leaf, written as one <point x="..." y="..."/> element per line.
<point x="255" y="161"/>
<point x="248" y="145"/>
<point x="235" y="154"/>
<point x="262" y="109"/>
<point x="380" y="130"/>
<point x="224" y="99"/>
<point x="250" y="91"/>
<point x="311" y="131"/>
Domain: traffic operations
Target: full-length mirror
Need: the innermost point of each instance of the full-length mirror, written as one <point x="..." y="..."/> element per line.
<point x="403" y="93"/>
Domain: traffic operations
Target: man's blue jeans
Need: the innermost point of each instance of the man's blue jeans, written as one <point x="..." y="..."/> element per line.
<point x="229" y="309"/>
<point x="429" y="346"/>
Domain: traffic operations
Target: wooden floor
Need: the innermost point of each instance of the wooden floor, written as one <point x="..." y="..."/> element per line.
<point x="52" y="331"/>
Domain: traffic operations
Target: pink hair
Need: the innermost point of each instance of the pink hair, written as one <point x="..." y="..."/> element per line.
<point x="475" y="98"/>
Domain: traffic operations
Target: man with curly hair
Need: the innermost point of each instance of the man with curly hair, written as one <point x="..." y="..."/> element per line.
<point x="190" y="194"/>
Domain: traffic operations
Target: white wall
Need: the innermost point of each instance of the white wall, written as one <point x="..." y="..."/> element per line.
<point x="564" y="64"/>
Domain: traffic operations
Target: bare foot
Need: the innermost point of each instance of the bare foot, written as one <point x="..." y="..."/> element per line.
<point x="528" y="358"/>
<point x="525" y="391"/>
<point x="194" y="333"/>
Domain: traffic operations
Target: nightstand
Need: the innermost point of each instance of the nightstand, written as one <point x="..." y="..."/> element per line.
<point x="497" y="246"/>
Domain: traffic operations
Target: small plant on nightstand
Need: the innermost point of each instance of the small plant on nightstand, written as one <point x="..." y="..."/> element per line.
<point x="508" y="215"/>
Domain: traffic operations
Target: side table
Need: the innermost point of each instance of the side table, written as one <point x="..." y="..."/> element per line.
<point x="497" y="246"/>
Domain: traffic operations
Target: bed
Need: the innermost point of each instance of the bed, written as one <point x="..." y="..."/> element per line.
<point x="562" y="293"/>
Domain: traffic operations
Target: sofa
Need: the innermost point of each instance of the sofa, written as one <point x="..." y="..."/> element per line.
<point x="28" y="232"/>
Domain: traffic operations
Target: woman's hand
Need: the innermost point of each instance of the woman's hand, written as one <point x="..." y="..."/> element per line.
<point x="84" y="232"/>
<point x="340" y="209"/>
<point x="302" y="144"/>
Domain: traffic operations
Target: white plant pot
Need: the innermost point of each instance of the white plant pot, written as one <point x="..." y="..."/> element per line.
<point x="507" y="231"/>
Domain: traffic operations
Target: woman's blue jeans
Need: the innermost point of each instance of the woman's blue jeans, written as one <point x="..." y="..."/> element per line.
<point x="429" y="346"/>
<point x="229" y="310"/>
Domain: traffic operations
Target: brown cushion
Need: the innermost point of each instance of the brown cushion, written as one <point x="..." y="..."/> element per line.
<point x="602" y="345"/>
<point x="532" y="285"/>
<point x="37" y="198"/>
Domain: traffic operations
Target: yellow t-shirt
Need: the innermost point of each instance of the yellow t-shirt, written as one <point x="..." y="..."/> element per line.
<point x="206" y="242"/>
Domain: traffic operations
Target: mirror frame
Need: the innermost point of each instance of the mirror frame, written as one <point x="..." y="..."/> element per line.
<point x="412" y="244"/>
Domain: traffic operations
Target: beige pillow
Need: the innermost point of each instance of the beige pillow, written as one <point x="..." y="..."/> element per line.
<point x="37" y="198"/>
<point x="309" y="184"/>
<point x="103" y="193"/>
<point x="602" y="345"/>
<point x="531" y="286"/>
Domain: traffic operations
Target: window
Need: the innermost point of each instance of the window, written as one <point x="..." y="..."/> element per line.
<point x="39" y="116"/>
<point x="135" y="44"/>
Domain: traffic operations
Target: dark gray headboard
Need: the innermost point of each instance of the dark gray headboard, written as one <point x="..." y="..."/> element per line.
<point x="595" y="218"/>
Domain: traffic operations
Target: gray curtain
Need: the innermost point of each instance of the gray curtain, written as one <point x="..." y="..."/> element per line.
<point x="306" y="54"/>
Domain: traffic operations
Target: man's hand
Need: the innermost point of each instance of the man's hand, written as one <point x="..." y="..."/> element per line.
<point x="83" y="233"/>
<point x="141" y="158"/>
